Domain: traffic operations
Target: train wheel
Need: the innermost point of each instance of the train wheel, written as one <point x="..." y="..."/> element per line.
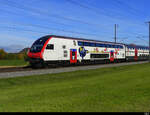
<point x="37" y="65"/>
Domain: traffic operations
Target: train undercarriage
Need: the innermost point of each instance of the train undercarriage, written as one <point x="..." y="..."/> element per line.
<point x="39" y="63"/>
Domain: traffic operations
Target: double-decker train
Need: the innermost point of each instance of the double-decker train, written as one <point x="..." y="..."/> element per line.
<point x="52" y="49"/>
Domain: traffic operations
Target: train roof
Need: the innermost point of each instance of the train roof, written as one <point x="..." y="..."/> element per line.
<point x="128" y="45"/>
<point x="82" y="39"/>
<point x="137" y="46"/>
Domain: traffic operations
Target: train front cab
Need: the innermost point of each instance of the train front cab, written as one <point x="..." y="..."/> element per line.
<point x="35" y="54"/>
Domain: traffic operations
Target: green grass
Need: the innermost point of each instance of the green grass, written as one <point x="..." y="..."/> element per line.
<point x="117" y="89"/>
<point x="12" y="63"/>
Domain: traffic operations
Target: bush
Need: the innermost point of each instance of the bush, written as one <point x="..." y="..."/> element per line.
<point x="3" y="54"/>
<point x="12" y="56"/>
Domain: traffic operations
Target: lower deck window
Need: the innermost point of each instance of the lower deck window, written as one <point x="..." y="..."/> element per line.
<point x="99" y="55"/>
<point x="65" y="53"/>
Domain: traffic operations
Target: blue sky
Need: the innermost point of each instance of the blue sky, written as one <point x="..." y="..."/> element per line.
<point x="24" y="21"/>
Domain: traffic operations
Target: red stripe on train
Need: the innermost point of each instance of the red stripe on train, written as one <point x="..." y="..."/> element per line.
<point x="39" y="54"/>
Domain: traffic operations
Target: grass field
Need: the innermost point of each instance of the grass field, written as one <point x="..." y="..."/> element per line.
<point x="12" y="63"/>
<point x="117" y="89"/>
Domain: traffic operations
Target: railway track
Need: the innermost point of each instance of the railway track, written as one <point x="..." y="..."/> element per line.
<point x="25" y="71"/>
<point x="13" y="69"/>
<point x="28" y="68"/>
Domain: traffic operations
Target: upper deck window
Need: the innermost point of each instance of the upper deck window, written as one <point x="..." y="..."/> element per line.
<point x="116" y="46"/>
<point x="121" y="47"/>
<point x="92" y="44"/>
<point x="86" y="44"/>
<point x="80" y="43"/>
<point x="100" y="45"/>
<point x="108" y="45"/>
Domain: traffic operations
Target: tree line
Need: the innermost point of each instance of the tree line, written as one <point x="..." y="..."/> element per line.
<point x="12" y="56"/>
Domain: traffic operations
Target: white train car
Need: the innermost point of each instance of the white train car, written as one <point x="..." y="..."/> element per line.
<point x="136" y="52"/>
<point x="53" y="49"/>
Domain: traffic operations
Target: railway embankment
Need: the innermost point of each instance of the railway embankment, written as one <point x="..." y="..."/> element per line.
<point x="25" y="71"/>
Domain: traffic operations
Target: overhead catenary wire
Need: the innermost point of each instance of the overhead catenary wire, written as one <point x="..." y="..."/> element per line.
<point x="132" y="10"/>
<point x="25" y="7"/>
<point x="45" y="27"/>
<point x="95" y="10"/>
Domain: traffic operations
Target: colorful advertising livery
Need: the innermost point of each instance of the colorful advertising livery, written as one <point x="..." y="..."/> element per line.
<point x="53" y="49"/>
<point x="83" y="52"/>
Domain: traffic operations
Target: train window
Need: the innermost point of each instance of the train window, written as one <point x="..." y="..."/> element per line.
<point x="106" y="45"/>
<point x="99" y="55"/>
<point x="65" y="53"/>
<point x="121" y="47"/>
<point x="92" y="44"/>
<point x="86" y="44"/>
<point x="50" y="46"/>
<point x="80" y="43"/>
<point x="113" y="46"/>
<point x="100" y="45"/>
<point x="110" y="46"/>
<point x="97" y="45"/>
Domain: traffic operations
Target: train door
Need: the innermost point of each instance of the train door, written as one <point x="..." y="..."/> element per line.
<point x="112" y="56"/>
<point x="73" y="56"/>
<point x="136" y="54"/>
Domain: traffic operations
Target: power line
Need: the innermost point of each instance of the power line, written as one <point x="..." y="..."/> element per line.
<point x="49" y="15"/>
<point x="91" y="8"/>
<point x="132" y="10"/>
<point x="45" y="27"/>
<point x="94" y="9"/>
<point x="23" y="7"/>
<point x="21" y="29"/>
